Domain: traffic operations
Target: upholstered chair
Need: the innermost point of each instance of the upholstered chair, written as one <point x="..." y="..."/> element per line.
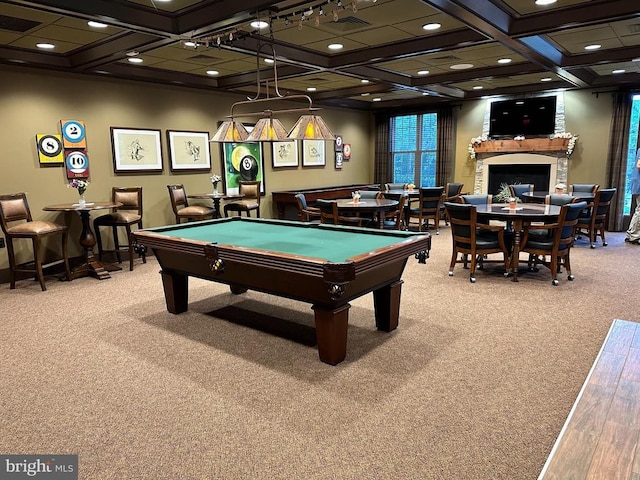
<point x="182" y="209"/>
<point x="250" y="200"/>
<point x="16" y="222"/>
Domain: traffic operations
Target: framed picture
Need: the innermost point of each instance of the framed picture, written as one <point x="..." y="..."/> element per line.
<point x="189" y="151"/>
<point x="136" y="150"/>
<point x="285" y="154"/>
<point x="242" y="161"/>
<point x="346" y="151"/>
<point x="313" y="153"/>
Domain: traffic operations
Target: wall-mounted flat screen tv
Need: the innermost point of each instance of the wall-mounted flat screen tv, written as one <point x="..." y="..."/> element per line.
<point x="528" y="116"/>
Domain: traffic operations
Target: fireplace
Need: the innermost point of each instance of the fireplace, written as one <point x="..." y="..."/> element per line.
<point x="538" y="175"/>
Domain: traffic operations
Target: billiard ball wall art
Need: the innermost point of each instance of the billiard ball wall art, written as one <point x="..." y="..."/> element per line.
<point x="68" y="149"/>
<point x="242" y="161"/>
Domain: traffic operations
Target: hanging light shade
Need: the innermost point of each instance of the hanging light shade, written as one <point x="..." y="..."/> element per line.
<point x="268" y="130"/>
<point x="311" y="127"/>
<point x="230" y="131"/>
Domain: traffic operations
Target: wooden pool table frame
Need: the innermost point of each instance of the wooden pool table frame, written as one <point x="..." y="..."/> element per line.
<point x="328" y="286"/>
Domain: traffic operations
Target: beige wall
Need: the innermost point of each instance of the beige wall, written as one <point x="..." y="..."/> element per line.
<point x="34" y="102"/>
<point x="586" y="115"/>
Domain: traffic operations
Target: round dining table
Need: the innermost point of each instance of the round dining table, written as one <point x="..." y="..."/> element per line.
<point x="516" y="217"/>
<point x="91" y="266"/>
<point x="216" y="197"/>
<point x="539" y="196"/>
<point x="376" y="206"/>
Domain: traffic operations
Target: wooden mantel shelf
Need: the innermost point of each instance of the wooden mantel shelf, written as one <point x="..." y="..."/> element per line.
<point x="526" y="145"/>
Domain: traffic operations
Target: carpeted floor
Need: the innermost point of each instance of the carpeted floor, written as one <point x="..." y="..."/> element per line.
<point x="474" y="384"/>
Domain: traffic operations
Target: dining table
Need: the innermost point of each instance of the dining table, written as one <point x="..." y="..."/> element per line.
<point x="91" y="266"/>
<point x="517" y="217"/>
<point x="368" y="206"/>
<point x="216" y="197"/>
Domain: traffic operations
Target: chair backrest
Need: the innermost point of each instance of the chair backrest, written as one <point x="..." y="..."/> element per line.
<point x="301" y="200"/>
<point x="178" y="197"/>
<point x="130" y="197"/>
<point x="463" y="219"/>
<point x="602" y="203"/>
<point x="568" y="219"/>
<point x="370" y="194"/>
<point x="13" y="208"/>
<point x="477" y="199"/>
<point x="429" y="200"/>
<point x="453" y="189"/>
<point x="395" y="186"/>
<point x="328" y="211"/>
<point x="519" y="188"/>
<point x="584" y="187"/>
<point x="250" y="189"/>
<point x="397" y="214"/>
<point x="559" y="199"/>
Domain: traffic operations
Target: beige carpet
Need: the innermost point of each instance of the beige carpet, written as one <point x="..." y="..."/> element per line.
<point x="474" y="384"/>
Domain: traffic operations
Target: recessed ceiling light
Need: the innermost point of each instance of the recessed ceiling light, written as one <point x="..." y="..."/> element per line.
<point x="259" y="24"/>
<point x="365" y="94"/>
<point x="545" y="79"/>
<point x="478" y="87"/>
<point x="376" y="99"/>
<point x="364" y="80"/>
<point x="423" y="72"/>
<point x="431" y="26"/>
<point x="97" y="24"/>
<point x="213" y="72"/>
<point x="461" y="66"/>
<point x="135" y="60"/>
<point x="268" y="60"/>
<point x="619" y="70"/>
<point x="311" y="89"/>
<point x="504" y="60"/>
<point x="335" y="46"/>
<point x="45" y="46"/>
<point x="425" y="93"/>
<point x="190" y="43"/>
<point x="545" y="2"/>
<point x="593" y="46"/>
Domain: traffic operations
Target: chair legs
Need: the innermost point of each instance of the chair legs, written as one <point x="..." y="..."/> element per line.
<point x="118" y="248"/>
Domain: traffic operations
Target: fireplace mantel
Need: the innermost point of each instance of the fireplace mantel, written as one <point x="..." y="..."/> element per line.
<point x="535" y="145"/>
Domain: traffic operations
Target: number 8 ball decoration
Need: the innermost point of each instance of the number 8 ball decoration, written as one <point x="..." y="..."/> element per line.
<point x="248" y="168"/>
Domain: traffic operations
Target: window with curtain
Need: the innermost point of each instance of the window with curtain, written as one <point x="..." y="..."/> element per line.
<point x="632" y="180"/>
<point x="413" y="141"/>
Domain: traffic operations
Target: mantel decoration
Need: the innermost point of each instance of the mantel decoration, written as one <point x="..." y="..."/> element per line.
<point x="81" y="185"/>
<point x="215" y="180"/>
<point x="477" y="141"/>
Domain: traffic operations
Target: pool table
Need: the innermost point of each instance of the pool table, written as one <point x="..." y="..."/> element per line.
<point x="325" y="265"/>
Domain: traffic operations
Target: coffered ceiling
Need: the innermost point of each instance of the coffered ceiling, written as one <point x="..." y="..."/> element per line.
<point x="482" y="47"/>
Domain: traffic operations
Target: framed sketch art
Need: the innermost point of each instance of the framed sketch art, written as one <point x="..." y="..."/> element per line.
<point x="242" y="161"/>
<point x="285" y="154"/>
<point x="136" y="150"/>
<point x="313" y="153"/>
<point x="189" y="151"/>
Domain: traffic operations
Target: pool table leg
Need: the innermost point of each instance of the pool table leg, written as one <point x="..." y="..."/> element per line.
<point x="386" y="303"/>
<point x="331" y="333"/>
<point x="176" y="291"/>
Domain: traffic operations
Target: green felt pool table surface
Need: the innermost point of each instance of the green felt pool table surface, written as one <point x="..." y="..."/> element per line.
<point x="328" y="243"/>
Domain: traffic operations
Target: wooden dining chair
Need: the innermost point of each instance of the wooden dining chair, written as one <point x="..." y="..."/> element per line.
<point x="16" y="222"/>
<point x="451" y="191"/>
<point x="124" y="217"/>
<point x="182" y="209"/>
<point x="427" y="208"/>
<point x="473" y="239"/>
<point x="250" y="190"/>
<point x="329" y="214"/>
<point x="516" y="190"/>
<point x="595" y="223"/>
<point x="305" y="212"/>
<point x="552" y="240"/>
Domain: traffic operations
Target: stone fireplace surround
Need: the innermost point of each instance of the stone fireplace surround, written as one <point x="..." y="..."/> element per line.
<point x="535" y="151"/>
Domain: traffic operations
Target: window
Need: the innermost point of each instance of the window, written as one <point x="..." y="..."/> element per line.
<point x="414" y="140"/>
<point x="632" y="182"/>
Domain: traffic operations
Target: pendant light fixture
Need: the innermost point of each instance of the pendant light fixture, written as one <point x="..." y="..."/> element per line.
<point x="268" y="128"/>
